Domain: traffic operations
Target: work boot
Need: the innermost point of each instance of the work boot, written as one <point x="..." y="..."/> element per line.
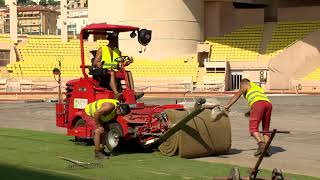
<point x="107" y="154"/>
<point x="260" y="148"/>
<point x="99" y="155"/>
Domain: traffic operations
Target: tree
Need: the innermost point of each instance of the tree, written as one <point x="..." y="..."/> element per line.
<point x="43" y="2"/>
<point x="53" y="2"/>
<point x="26" y="2"/>
<point x="2" y="3"/>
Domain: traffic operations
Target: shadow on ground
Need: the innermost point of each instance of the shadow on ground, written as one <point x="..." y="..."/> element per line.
<point x="276" y="149"/>
<point x="15" y="173"/>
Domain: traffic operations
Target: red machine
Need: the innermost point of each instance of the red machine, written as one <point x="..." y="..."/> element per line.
<point x="144" y="124"/>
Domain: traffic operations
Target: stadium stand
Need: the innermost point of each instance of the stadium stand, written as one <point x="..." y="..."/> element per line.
<point x="240" y="45"/>
<point x="286" y="33"/>
<point x="5" y="38"/>
<point x="244" y="44"/>
<point x="313" y="76"/>
<point x="41" y="54"/>
<point x="176" y="69"/>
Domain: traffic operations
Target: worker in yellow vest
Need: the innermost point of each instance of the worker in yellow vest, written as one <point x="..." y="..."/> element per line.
<point x="105" y="58"/>
<point x="261" y="109"/>
<point x="102" y="111"/>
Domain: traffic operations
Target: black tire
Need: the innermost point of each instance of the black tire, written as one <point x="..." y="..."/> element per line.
<point x="234" y="174"/>
<point x="277" y="174"/>
<point x="80" y="122"/>
<point x="114" y="137"/>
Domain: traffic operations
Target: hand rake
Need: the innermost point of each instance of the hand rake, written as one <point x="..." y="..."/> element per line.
<point x="81" y="165"/>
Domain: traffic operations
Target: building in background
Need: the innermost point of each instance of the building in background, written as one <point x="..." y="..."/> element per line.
<point x="31" y="20"/>
<point x="77" y="18"/>
<point x="72" y="4"/>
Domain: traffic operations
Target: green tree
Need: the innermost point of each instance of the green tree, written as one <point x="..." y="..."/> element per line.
<point x="43" y="2"/>
<point x="53" y="2"/>
<point x="2" y="3"/>
<point x="26" y="2"/>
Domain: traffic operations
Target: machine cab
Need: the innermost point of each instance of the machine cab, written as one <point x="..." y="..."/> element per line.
<point x="99" y="80"/>
<point x="91" y="87"/>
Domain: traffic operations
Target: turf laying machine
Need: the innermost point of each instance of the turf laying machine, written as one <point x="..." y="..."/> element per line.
<point x="172" y="128"/>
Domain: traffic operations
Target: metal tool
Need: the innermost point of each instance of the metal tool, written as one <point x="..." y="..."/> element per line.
<point x="78" y="164"/>
<point x="276" y="173"/>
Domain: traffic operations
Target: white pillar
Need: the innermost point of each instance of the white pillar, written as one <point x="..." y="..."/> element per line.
<point x="63" y="21"/>
<point x="13" y="21"/>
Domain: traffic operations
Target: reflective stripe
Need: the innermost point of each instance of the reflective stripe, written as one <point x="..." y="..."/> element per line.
<point x="107" y="65"/>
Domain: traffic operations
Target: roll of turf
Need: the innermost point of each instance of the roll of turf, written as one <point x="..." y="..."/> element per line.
<point x="170" y="146"/>
<point x="201" y="136"/>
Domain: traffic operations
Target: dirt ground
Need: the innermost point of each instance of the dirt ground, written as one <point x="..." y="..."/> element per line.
<point x="297" y="152"/>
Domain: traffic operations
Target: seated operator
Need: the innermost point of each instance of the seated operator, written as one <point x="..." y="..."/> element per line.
<point x="105" y="58"/>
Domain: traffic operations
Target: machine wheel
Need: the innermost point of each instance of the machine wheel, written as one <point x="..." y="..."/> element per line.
<point x="234" y="174"/>
<point x="114" y="137"/>
<point x="277" y="174"/>
<point x="80" y="141"/>
<point x="79" y="123"/>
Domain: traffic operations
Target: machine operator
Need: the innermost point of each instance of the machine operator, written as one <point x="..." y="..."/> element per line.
<point x="105" y="58"/>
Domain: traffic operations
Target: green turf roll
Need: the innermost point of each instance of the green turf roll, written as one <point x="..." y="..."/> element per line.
<point x="201" y="136"/>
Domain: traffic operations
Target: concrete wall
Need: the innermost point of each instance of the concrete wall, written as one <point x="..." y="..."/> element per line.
<point x="222" y="18"/>
<point x="291" y="62"/>
<point x="299" y="13"/>
<point x="177" y="25"/>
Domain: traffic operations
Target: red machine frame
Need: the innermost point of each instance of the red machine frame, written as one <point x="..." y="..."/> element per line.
<point x="143" y="124"/>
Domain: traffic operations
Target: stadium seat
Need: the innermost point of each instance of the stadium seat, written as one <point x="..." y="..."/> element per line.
<point x="287" y="33"/>
<point x="313" y="76"/>
<point x="240" y="45"/>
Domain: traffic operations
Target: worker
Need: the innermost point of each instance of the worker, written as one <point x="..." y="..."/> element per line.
<point x="103" y="111"/>
<point x="260" y="110"/>
<point x="105" y="58"/>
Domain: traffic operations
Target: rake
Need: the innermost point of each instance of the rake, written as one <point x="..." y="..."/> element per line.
<point x="81" y="165"/>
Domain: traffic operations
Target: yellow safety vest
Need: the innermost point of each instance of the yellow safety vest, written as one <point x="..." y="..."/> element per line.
<point x="109" y="62"/>
<point x="255" y="93"/>
<point x="94" y="106"/>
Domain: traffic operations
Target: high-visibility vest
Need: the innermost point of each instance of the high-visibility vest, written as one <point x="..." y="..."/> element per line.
<point x="94" y="106"/>
<point x="109" y="62"/>
<point x="255" y="93"/>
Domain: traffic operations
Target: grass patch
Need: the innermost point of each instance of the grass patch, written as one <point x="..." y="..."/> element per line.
<point x="29" y="154"/>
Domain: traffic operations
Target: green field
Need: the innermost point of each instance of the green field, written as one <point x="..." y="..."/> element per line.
<point x="34" y="155"/>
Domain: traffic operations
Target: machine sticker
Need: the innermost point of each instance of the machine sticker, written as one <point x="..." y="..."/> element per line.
<point x="80" y="103"/>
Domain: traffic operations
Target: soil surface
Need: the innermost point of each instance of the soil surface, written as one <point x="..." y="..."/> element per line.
<point x="297" y="152"/>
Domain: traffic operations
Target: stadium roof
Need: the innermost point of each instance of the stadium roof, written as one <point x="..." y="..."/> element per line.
<point x="32" y="8"/>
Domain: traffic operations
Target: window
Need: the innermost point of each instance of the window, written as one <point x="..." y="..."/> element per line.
<point x="4" y="57"/>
